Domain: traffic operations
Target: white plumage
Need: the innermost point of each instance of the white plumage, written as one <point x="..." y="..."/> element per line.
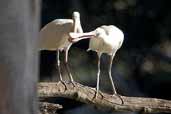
<point x="55" y="36"/>
<point x="104" y="39"/>
<point x="108" y="39"/>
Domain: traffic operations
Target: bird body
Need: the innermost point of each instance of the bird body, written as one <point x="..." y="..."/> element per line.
<point x="55" y="36"/>
<point x="108" y="40"/>
<point x="104" y="39"/>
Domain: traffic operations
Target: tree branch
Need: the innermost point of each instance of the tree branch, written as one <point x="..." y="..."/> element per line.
<point x="103" y="101"/>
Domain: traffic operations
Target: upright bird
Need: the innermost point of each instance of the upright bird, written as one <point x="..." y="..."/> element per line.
<point x="104" y="39"/>
<point x="55" y="36"/>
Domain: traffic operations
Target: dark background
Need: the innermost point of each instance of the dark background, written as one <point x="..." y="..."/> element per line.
<point x="142" y="67"/>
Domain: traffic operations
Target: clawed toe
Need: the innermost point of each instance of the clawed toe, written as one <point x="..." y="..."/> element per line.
<point x="73" y="83"/>
<point x="122" y="102"/>
<point x="96" y="94"/>
<point x="63" y="82"/>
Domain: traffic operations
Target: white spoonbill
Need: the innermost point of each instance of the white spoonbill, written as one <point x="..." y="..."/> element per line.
<point x="55" y="36"/>
<point x="104" y="39"/>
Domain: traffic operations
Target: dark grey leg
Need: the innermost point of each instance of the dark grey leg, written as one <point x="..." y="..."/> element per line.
<point x="58" y="65"/>
<point x="110" y="75"/>
<point x="111" y="80"/>
<point x="98" y="75"/>
<point x="67" y="66"/>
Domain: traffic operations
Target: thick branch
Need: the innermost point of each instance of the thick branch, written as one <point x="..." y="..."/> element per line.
<point x="103" y="101"/>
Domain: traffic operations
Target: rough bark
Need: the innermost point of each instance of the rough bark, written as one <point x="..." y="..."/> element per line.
<point x="48" y="108"/>
<point x="103" y="101"/>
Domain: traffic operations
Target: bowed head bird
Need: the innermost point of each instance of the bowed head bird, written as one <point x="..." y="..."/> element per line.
<point x="104" y="39"/>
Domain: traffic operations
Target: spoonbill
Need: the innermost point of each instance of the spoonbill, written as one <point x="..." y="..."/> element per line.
<point x="104" y="39"/>
<point x="55" y="36"/>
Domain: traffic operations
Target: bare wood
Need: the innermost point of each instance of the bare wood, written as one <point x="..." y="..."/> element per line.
<point x="49" y="108"/>
<point x="103" y="101"/>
